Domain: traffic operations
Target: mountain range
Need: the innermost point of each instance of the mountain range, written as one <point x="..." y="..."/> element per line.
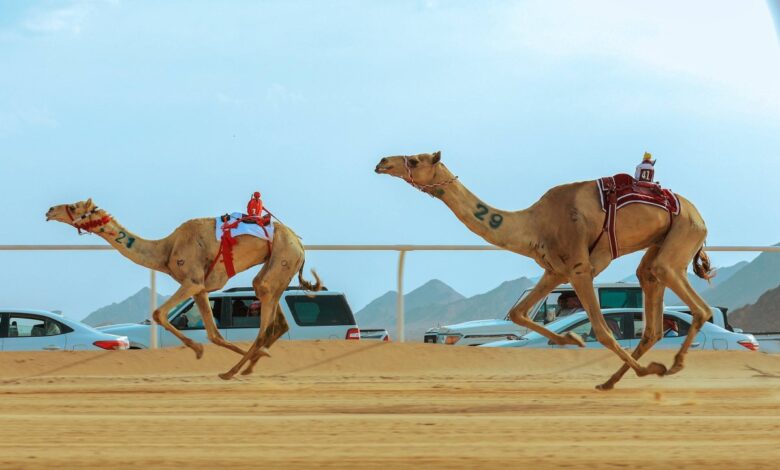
<point x="436" y="303"/>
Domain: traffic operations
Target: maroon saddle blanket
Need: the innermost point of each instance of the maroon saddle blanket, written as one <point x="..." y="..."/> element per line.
<point x="621" y="190"/>
<point x="630" y="191"/>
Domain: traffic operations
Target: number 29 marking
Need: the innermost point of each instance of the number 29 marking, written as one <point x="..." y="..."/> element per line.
<point x="495" y="220"/>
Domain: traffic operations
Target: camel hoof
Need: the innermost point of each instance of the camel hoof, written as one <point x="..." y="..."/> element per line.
<point x="226" y="375"/>
<point x="605" y="386"/>
<point x="198" y="348"/>
<point x="656" y="368"/>
<point x="574" y="338"/>
<point x="677" y="367"/>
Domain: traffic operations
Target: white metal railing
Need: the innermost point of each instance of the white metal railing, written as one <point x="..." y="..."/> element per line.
<point x="401" y="249"/>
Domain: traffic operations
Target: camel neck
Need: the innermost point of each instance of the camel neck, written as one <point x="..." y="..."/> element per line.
<point x="152" y="254"/>
<point x="509" y="230"/>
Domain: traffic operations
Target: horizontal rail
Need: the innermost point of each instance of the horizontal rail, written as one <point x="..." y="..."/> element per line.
<point x="772" y="249"/>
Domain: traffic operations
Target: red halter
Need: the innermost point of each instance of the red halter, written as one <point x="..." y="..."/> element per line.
<point x="89" y="225"/>
<point x="426" y="188"/>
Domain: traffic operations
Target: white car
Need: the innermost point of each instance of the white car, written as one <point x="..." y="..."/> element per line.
<point x="33" y="330"/>
<point x="474" y="333"/>
<point x="311" y="315"/>
<point x="626" y="326"/>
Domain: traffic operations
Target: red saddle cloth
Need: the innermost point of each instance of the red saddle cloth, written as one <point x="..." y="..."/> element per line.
<point x="621" y="190"/>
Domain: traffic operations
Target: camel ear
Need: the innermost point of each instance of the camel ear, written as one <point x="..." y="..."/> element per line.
<point x="89" y="203"/>
<point x="436" y="157"/>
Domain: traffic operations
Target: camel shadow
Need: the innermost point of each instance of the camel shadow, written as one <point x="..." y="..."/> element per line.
<point x="328" y="360"/>
<point x="55" y="370"/>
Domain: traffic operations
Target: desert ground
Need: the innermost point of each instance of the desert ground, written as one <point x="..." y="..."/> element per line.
<point x="340" y="404"/>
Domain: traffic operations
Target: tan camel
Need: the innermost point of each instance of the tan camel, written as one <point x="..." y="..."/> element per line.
<point x="187" y="255"/>
<point x="558" y="232"/>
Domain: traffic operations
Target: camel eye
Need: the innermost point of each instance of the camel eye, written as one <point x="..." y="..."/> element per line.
<point x="72" y="207"/>
<point x="413" y="162"/>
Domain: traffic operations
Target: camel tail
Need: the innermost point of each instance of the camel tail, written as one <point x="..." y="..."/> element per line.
<point x="306" y="285"/>
<point x="701" y="265"/>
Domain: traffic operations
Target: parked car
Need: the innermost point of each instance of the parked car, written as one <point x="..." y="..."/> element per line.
<point x="378" y="334"/>
<point x="311" y="315"/>
<point x="35" y="330"/>
<point x="473" y="333"/>
<point x="626" y="326"/>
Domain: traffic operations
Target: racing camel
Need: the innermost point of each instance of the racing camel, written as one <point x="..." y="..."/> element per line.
<point x="563" y="231"/>
<point x="189" y="255"/>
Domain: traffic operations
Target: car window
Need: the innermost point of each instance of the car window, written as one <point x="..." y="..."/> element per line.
<point x="323" y="310"/>
<point x="245" y="312"/>
<point x="614" y="322"/>
<point x="27" y="326"/>
<point x="620" y="297"/>
<point x="672" y="326"/>
<point x="190" y="318"/>
<point x="547" y="309"/>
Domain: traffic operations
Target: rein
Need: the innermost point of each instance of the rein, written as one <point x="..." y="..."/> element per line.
<point x="426" y="188"/>
<point x="89" y="225"/>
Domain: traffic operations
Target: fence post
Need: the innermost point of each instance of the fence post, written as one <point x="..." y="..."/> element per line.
<point x="152" y="308"/>
<point x="399" y="301"/>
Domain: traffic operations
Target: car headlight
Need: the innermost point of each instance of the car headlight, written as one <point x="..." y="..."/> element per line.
<point x="451" y="339"/>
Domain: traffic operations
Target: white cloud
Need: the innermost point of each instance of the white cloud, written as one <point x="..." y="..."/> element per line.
<point x="12" y="122"/>
<point x="279" y="95"/>
<point x="67" y="19"/>
<point x="730" y="45"/>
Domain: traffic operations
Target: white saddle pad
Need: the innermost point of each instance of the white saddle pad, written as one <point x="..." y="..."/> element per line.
<point x="245" y="229"/>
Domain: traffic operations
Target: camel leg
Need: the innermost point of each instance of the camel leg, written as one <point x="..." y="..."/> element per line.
<point x="161" y="315"/>
<point x="582" y="281"/>
<point x="519" y="313"/>
<point x="285" y="261"/>
<point x="670" y="268"/>
<point x="202" y="301"/>
<point x="654" y="297"/>
<point x="278" y="328"/>
<point x="677" y="280"/>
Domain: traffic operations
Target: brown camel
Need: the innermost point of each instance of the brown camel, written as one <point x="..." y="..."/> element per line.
<point x="187" y="255"/>
<point x="559" y="232"/>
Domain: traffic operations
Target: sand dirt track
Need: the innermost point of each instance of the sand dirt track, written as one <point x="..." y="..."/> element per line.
<point x="361" y="404"/>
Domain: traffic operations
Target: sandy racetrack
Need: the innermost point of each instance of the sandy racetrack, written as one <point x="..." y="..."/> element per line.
<point x="362" y="404"/>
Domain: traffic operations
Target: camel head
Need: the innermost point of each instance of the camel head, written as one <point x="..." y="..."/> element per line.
<point x="84" y="215"/>
<point x="424" y="171"/>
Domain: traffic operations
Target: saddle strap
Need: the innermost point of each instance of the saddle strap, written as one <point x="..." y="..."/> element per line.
<point x="610" y="202"/>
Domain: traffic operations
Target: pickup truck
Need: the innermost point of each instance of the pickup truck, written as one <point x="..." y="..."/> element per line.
<point x="610" y="295"/>
<point x="311" y="315"/>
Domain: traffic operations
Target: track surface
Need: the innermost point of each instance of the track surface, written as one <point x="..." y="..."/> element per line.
<point x="362" y="404"/>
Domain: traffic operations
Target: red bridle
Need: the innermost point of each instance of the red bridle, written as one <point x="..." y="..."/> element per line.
<point x="426" y="188"/>
<point x="89" y="225"/>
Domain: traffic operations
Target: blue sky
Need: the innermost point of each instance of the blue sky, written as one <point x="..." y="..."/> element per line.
<point x="165" y="111"/>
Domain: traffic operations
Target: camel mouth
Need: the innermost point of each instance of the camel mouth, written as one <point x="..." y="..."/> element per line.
<point x="382" y="169"/>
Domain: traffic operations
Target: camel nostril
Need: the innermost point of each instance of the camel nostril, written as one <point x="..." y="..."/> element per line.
<point x="383" y="161"/>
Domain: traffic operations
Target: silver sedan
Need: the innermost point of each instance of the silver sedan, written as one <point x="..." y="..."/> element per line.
<point x="626" y="326"/>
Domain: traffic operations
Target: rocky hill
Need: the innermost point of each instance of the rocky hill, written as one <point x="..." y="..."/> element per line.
<point x="133" y="309"/>
<point x="420" y="316"/>
<point x="762" y="316"/>
<point x="380" y="312"/>
<point x="747" y="284"/>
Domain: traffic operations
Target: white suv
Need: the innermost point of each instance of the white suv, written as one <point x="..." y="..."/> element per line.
<point x="474" y="333"/>
<point x="311" y="315"/>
